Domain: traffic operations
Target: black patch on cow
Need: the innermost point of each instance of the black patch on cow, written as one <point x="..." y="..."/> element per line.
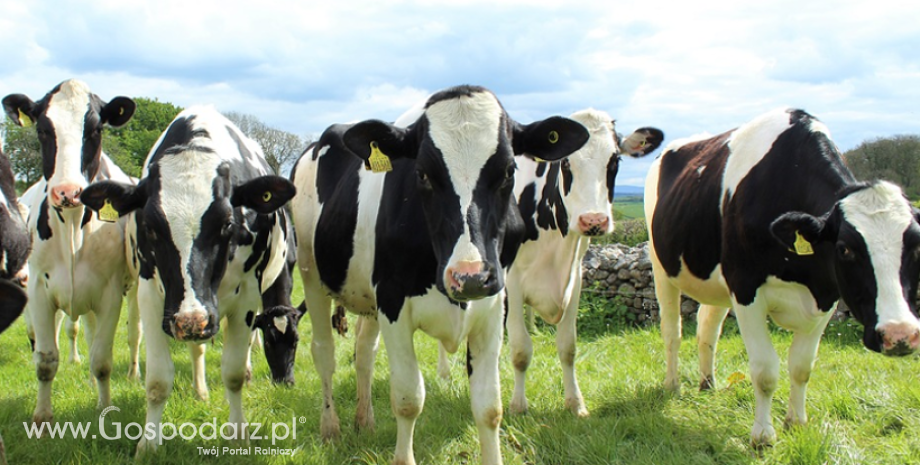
<point x="455" y="93"/>
<point x="15" y="241"/>
<point x="565" y="169"/>
<point x="43" y="225"/>
<point x="613" y="167"/>
<point x="92" y="139"/>
<point x="87" y="216"/>
<point x="469" y="362"/>
<point x="551" y="211"/>
<point x="177" y="138"/>
<point x="527" y="203"/>
<point x="541" y="169"/>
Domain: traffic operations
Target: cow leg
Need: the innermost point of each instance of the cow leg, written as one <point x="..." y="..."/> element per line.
<point x="802" y="355"/>
<point x="233" y="369"/>
<point x="708" y="329"/>
<point x="520" y="345"/>
<point x="100" y="355"/>
<point x="407" y="391"/>
<point x="669" y="309"/>
<point x="484" y="345"/>
<point x="764" y="363"/>
<point x="160" y="369"/>
<point x="45" y="355"/>
<point x="72" y="328"/>
<point x="565" y="347"/>
<point x="89" y="334"/>
<point x="367" y="342"/>
<point x="199" y="381"/>
<point x="319" y="306"/>
<point x="134" y="334"/>
<point x="443" y="362"/>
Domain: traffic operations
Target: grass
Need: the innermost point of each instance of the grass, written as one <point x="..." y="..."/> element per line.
<point x="629" y="207"/>
<point x="864" y="408"/>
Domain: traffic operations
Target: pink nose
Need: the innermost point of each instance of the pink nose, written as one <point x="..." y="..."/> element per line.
<point x="470" y="281"/>
<point x="192" y="327"/>
<point x="593" y="224"/>
<point x="66" y="195"/>
<point x="900" y="338"/>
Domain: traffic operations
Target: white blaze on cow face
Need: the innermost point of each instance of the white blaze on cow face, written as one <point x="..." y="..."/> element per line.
<point x="587" y="201"/>
<point x="881" y="215"/>
<point x="67" y="110"/>
<point x="466" y="131"/>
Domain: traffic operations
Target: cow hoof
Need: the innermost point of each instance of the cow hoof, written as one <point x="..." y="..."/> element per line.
<point x="39" y="418"/>
<point x="672" y="385"/>
<point x="707" y="383"/>
<point x="517" y="406"/>
<point x="577" y="406"/>
<point x="202" y="395"/>
<point x="134" y="374"/>
<point x="145" y="448"/>
<point x="764" y="438"/>
<point x="365" y="423"/>
<point x="793" y="421"/>
<point x="329" y="428"/>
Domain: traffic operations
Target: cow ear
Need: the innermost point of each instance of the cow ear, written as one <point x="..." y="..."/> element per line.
<point x="372" y="139"/>
<point x="799" y="231"/>
<point x="255" y="321"/>
<point x="20" y="109"/>
<point x="118" y="112"/>
<point x="12" y="301"/>
<point x="301" y="311"/>
<point x="642" y="142"/>
<point x="124" y="198"/>
<point x="551" y="139"/>
<point x="264" y="194"/>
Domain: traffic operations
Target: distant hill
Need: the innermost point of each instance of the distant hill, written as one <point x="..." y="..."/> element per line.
<point x="628" y="191"/>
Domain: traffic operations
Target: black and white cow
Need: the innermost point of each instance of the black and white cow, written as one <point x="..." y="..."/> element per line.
<point x="423" y="246"/>
<point x="563" y="205"/>
<point x="767" y="220"/>
<point x="77" y="262"/>
<point x="14" y="250"/>
<point x="210" y="239"/>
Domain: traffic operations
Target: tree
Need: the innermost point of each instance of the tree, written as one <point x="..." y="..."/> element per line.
<point x="896" y="159"/>
<point x="281" y="148"/>
<point x="24" y="151"/>
<point x="129" y="145"/>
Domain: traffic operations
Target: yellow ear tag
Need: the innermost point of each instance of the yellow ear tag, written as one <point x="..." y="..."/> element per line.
<point x="378" y="162"/>
<point x="267" y="196"/>
<point x="24" y="119"/>
<point x="802" y="246"/>
<point x="108" y="213"/>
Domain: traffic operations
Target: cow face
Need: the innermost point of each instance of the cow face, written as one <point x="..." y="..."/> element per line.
<point x="874" y="236"/>
<point x="587" y="177"/>
<point x="464" y="146"/>
<point x="280" y="339"/>
<point x="69" y="122"/>
<point x="190" y="215"/>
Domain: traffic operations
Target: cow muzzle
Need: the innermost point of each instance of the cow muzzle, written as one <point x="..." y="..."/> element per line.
<point x="66" y="195"/>
<point x="471" y="281"/>
<point x="193" y="326"/>
<point x="900" y="338"/>
<point x="593" y="224"/>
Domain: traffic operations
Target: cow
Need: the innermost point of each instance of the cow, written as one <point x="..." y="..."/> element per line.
<point x="564" y="204"/>
<point x="767" y="220"/>
<point x="77" y="262"/>
<point x="210" y="239"/>
<point x="420" y="241"/>
<point x="15" y="244"/>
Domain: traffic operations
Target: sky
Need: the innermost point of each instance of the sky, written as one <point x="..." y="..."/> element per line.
<point x="686" y="68"/>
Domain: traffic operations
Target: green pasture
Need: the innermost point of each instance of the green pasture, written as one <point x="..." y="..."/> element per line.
<point x="863" y="408"/>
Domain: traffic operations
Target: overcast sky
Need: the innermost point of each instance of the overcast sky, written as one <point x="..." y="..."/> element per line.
<point x="684" y="67"/>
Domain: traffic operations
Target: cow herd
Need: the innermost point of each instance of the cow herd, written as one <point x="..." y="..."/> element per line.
<point x="447" y="221"/>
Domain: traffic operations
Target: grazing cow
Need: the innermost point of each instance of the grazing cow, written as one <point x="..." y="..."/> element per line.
<point x="14" y="250"/>
<point x="77" y="262"/>
<point x="563" y="204"/>
<point x="423" y="246"/>
<point x="210" y="238"/>
<point x="767" y="220"/>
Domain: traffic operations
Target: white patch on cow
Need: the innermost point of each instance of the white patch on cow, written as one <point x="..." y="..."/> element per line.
<point x="281" y="324"/>
<point x="67" y="111"/>
<point x="465" y="129"/>
<point x="358" y="289"/>
<point x="322" y="151"/>
<point x="749" y="144"/>
<point x="699" y="171"/>
<point x="881" y="215"/>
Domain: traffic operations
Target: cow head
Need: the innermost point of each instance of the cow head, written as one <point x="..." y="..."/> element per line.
<point x="279" y="339"/>
<point x="874" y="237"/>
<point x="587" y="177"/>
<point x="463" y="146"/>
<point x="191" y="213"/>
<point x="69" y="122"/>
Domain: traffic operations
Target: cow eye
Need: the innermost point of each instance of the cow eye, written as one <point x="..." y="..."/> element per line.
<point x="845" y="253"/>
<point x="509" y="171"/>
<point x="423" y="181"/>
